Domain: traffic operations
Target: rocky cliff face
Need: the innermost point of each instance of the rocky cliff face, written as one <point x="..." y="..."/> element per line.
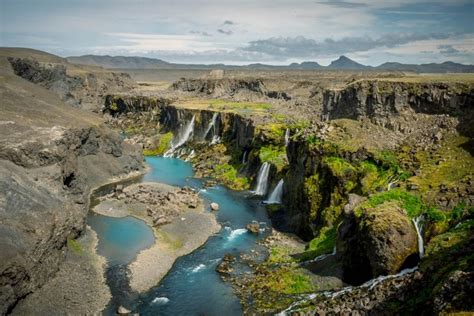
<point x="80" y="87"/>
<point x="235" y="88"/>
<point x="51" y="156"/>
<point x="385" y="102"/>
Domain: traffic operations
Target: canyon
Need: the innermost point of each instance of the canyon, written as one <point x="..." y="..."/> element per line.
<point x="366" y="178"/>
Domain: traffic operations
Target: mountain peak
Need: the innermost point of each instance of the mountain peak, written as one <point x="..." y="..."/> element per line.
<point x="344" y="62"/>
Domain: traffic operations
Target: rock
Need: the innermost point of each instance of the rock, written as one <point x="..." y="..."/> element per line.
<point x="225" y="267"/>
<point x="379" y="242"/>
<point x="253" y="227"/>
<point x="122" y="310"/>
<point x="214" y="206"/>
<point x="119" y="188"/>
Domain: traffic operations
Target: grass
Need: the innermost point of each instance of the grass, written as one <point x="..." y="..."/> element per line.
<point x="229" y="176"/>
<point x="409" y="202"/>
<point x="276" y="155"/>
<point x="447" y="166"/>
<point x="289" y="281"/>
<point x="274" y="132"/>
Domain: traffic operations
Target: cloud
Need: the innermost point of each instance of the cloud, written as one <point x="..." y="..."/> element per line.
<point x="448" y="50"/>
<point x="200" y="33"/>
<point x="343" y="4"/>
<point x="226" y="32"/>
<point x="228" y="22"/>
<point x="303" y="47"/>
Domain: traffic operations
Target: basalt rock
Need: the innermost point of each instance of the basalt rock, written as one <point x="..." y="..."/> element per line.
<point x="380" y="241"/>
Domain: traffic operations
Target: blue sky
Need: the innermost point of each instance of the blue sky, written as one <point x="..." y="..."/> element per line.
<point x="241" y="32"/>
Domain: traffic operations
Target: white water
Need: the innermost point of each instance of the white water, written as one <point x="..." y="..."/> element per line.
<point x="161" y="300"/>
<point x="262" y="180"/>
<point x="244" y="157"/>
<point x="186" y="134"/>
<point x="215" y="140"/>
<point x="277" y="194"/>
<point x="236" y="233"/>
<point x="418" y="227"/>
<point x="212" y="125"/>
<point x="287" y="137"/>
<point x="198" y="268"/>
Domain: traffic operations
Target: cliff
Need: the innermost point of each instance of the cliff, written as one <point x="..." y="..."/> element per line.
<point x="51" y="156"/>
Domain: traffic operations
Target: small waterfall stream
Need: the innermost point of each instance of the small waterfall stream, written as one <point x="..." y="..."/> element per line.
<point x="262" y="180"/>
<point x="212" y="126"/>
<point x="244" y="157"/>
<point x="418" y="227"/>
<point x="287" y="137"/>
<point x="277" y="194"/>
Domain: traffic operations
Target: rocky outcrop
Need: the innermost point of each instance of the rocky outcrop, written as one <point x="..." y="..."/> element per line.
<point x="380" y="241"/>
<point x="383" y="101"/>
<point x="235" y="88"/>
<point x="83" y="88"/>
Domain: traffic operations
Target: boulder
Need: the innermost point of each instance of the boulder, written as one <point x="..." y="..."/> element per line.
<point x="380" y="241"/>
<point x="214" y="206"/>
<point x="253" y="227"/>
<point x="122" y="310"/>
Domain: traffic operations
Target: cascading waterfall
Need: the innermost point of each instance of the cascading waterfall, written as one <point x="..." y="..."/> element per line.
<point x="417" y="223"/>
<point x="183" y="137"/>
<point x="276" y="196"/>
<point x="262" y="180"/>
<point x="287" y="137"/>
<point x="212" y="125"/>
<point x="244" y="157"/>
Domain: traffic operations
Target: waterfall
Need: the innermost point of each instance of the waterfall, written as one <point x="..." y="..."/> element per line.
<point x="262" y="180"/>
<point x="287" y="137"/>
<point x="185" y="135"/>
<point x="244" y="157"/>
<point x="276" y="195"/>
<point x="212" y="124"/>
<point x="417" y="223"/>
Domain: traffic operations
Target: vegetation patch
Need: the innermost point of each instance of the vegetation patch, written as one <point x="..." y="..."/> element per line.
<point x="228" y="175"/>
<point x="339" y="167"/>
<point x="276" y="155"/>
<point x="409" y="202"/>
<point x="323" y="244"/>
<point x="163" y="145"/>
<point x="280" y="254"/>
<point x="74" y="246"/>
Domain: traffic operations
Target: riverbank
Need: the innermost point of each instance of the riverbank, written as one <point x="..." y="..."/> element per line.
<point x="178" y="218"/>
<point x="79" y="286"/>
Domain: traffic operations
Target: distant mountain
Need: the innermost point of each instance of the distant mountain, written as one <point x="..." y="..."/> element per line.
<point x="342" y="63"/>
<point x="346" y="63"/>
<point x="447" y="66"/>
<point x="114" y="62"/>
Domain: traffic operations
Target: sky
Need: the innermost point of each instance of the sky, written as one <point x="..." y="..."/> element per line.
<point x="247" y="31"/>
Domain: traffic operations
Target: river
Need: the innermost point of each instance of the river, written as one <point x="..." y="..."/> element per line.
<point x="192" y="286"/>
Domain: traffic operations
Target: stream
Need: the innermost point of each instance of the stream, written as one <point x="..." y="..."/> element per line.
<point x="192" y="286"/>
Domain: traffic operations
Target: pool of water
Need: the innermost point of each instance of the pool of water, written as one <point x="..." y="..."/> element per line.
<point x="120" y="239"/>
<point x="192" y="286"/>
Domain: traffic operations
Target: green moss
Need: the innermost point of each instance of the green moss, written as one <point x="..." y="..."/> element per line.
<point x="74" y="246"/>
<point x="229" y="176"/>
<point x="280" y="254"/>
<point x="276" y="155"/>
<point x="163" y="145"/>
<point x="312" y="191"/>
<point x="324" y="243"/>
<point x="289" y="281"/>
<point x="409" y="202"/>
<point x="114" y="106"/>
<point x="339" y="167"/>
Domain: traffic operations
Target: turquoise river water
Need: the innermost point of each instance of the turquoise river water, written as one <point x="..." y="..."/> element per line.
<point x="192" y="286"/>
